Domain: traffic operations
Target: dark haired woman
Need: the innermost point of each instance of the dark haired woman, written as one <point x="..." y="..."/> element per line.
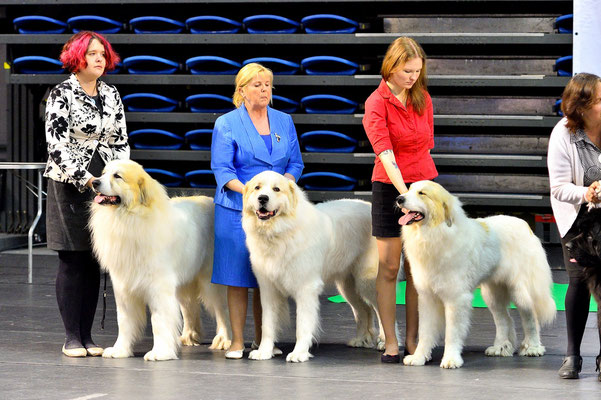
<point x="574" y="162"/>
<point x="85" y="129"/>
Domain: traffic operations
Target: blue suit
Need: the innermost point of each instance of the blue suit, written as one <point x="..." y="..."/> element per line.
<point x="239" y="152"/>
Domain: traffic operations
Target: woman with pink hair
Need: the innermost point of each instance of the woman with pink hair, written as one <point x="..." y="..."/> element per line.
<point x="85" y="129"/>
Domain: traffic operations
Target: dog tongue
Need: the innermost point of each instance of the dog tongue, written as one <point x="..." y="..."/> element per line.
<point x="98" y="199"/>
<point x="405" y="219"/>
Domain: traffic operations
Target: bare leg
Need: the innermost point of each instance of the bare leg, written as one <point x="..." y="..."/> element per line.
<point x="237" y="301"/>
<point x="411" y="314"/>
<point x="389" y="251"/>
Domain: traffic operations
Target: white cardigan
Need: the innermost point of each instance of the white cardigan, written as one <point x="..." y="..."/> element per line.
<point x="566" y="177"/>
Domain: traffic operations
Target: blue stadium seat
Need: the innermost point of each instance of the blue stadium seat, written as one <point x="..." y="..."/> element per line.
<point x="155" y="139"/>
<point x="328" y="23"/>
<point x="328" y="65"/>
<point x="209" y="103"/>
<point x="212" y="24"/>
<point x="212" y="65"/>
<point x="564" y="23"/>
<point x="201" y="178"/>
<point x="37" y="65"/>
<point x="150" y="65"/>
<point x="94" y="23"/>
<point x="152" y="24"/>
<point x="325" y="141"/>
<point x="326" y="181"/>
<point x="563" y="66"/>
<point x="117" y="69"/>
<point x="557" y="108"/>
<point x="277" y="65"/>
<point x="39" y="24"/>
<point x="199" y="139"/>
<point x="328" y="104"/>
<point x="165" y="177"/>
<point x="148" y="102"/>
<point x="267" y="23"/>
<point x="284" y="104"/>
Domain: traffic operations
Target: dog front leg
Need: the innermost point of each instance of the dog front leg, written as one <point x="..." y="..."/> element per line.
<point x="457" y="315"/>
<point x="166" y="323"/>
<point x="131" y="319"/>
<point x="272" y="302"/>
<point x="307" y="322"/>
<point x="431" y="323"/>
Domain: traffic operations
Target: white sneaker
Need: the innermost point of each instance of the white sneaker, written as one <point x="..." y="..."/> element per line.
<point x="276" y="351"/>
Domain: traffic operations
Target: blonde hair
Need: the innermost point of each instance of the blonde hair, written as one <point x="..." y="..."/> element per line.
<point x="399" y="52"/>
<point x="244" y="76"/>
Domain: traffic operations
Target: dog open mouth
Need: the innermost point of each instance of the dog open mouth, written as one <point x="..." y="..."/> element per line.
<point x="264" y="214"/>
<point x="107" y="200"/>
<point x="410" y="217"/>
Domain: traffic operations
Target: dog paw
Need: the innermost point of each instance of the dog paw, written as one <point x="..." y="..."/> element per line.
<point x="415" y="360"/>
<point x="220" y="342"/>
<point x="531" y="351"/>
<point x="260" y="355"/>
<point x="505" y="349"/>
<point x="190" y="338"/>
<point x="298" y="356"/>
<point x="115" y="352"/>
<point x="154" y="355"/>
<point x="381" y="345"/>
<point x="451" y="362"/>
<point x="366" y="341"/>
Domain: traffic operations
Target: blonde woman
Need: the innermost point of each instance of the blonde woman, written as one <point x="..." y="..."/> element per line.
<point x="399" y="123"/>
<point x="251" y="139"/>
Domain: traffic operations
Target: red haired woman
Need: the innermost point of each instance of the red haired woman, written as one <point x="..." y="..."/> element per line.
<point x="399" y="124"/>
<point x="85" y="128"/>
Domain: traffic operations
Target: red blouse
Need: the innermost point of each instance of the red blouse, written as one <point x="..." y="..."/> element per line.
<point x="390" y="125"/>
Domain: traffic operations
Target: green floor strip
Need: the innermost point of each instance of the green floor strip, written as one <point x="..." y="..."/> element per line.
<point x="559" y="295"/>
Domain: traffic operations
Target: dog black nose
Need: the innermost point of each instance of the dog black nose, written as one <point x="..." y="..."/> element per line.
<point x="569" y="246"/>
<point x="263" y="198"/>
<point x="95" y="183"/>
<point x="400" y="199"/>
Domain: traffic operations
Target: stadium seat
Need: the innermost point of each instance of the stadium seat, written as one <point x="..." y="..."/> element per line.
<point x="267" y="23"/>
<point x="277" y="65"/>
<point x="212" y="65"/>
<point x="39" y="24"/>
<point x="153" y="24"/>
<point x="328" y="23"/>
<point x="212" y="24"/>
<point x="94" y="23"/>
<point x="150" y="65"/>
<point x="328" y="65"/>
<point x="149" y="102"/>
<point x="201" y="178"/>
<point x="37" y="65"/>
<point x="328" y="104"/>
<point x="165" y="177"/>
<point x="326" y="181"/>
<point x="563" y="66"/>
<point x="325" y="141"/>
<point x="155" y="139"/>
<point x="209" y="103"/>
<point x="564" y="23"/>
<point x="284" y="104"/>
<point x="199" y="139"/>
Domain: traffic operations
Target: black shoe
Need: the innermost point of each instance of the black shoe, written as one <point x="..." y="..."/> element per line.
<point x="390" y="359"/>
<point x="571" y="367"/>
<point x="598" y="369"/>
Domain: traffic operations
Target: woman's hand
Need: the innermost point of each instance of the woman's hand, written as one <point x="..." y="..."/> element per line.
<point x="593" y="193"/>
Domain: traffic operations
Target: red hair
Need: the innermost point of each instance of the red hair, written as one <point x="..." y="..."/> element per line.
<point x="74" y="51"/>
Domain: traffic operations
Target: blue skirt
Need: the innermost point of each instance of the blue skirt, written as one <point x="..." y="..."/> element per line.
<point x="231" y="262"/>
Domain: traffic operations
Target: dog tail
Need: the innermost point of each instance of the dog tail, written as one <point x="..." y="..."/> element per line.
<point x="541" y="287"/>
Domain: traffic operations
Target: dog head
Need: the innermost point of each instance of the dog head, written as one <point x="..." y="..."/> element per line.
<point x="269" y="195"/>
<point x="124" y="183"/>
<point x="427" y="203"/>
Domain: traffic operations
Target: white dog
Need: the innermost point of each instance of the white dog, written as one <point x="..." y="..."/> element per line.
<point x="297" y="247"/>
<point x="159" y="253"/>
<point x="451" y="254"/>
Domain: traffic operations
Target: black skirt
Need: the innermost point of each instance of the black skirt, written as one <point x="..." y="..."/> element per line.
<point x="384" y="214"/>
<point x="67" y="213"/>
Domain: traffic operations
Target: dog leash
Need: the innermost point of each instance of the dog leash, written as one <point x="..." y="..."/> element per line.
<point x="103" y="303"/>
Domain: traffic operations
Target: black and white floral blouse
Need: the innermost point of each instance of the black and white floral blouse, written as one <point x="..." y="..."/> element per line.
<point x="75" y="130"/>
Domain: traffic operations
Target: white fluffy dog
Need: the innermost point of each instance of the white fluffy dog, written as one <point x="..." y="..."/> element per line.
<point x="297" y="247"/>
<point x="451" y="254"/>
<point x="159" y="253"/>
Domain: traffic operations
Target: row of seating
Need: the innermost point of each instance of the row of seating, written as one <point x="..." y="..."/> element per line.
<point x="216" y="103"/>
<point x="324" y="141"/>
<point x="204" y="178"/>
<point x="204" y="24"/>
<point x="216" y="65"/>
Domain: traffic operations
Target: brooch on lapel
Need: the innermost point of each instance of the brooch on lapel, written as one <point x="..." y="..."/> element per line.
<point x="277" y="137"/>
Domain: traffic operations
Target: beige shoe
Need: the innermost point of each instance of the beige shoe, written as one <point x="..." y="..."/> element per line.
<point x="234" y="354"/>
<point x="95" y="351"/>
<point x="77" y="352"/>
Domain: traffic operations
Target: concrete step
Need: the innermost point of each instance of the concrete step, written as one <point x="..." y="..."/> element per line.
<point x="11" y="241"/>
<point x="495" y="183"/>
<point x="470" y="24"/>
<point x="490" y="66"/>
<point x="492" y="144"/>
<point x="488" y="105"/>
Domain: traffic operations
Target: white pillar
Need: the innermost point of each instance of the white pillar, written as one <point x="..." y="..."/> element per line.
<point x="587" y="37"/>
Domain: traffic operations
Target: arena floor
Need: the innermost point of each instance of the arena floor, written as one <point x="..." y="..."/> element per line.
<point x="32" y="366"/>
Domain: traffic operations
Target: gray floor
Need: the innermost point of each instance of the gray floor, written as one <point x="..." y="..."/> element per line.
<point x="32" y="366"/>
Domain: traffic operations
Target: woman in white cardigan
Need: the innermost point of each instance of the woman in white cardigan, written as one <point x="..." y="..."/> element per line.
<point x="574" y="162"/>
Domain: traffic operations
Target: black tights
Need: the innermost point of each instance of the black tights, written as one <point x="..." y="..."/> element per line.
<point x="77" y="285"/>
<point x="577" y="301"/>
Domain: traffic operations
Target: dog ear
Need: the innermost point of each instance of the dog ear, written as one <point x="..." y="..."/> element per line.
<point x="447" y="207"/>
<point x="293" y="194"/>
<point x="144" y="194"/>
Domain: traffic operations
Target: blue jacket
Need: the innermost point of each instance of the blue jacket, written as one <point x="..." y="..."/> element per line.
<point x="238" y="151"/>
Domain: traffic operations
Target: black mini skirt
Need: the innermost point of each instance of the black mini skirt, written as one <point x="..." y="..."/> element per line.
<point x="384" y="213"/>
